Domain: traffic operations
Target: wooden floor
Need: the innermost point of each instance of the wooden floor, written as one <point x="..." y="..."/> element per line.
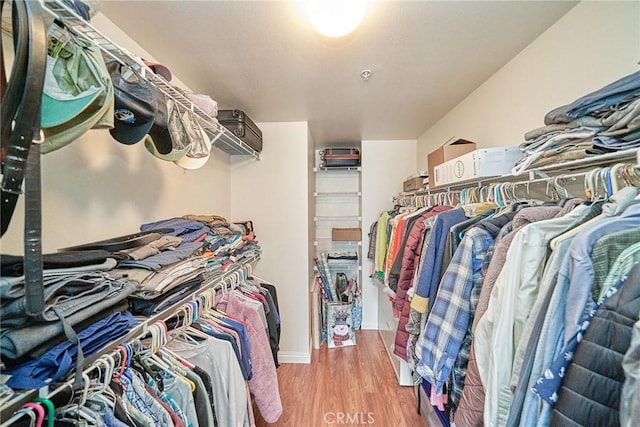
<point x="345" y="386"/>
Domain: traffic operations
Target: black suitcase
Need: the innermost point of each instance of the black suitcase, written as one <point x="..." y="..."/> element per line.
<point x="340" y="157"/>
<point x="242" y="126"/>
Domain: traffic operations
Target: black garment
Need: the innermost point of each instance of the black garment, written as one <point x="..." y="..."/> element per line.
<point x="455" y="237"/>
<point x="494" y="224"/>
<point x="13" y="265"/>
<point x="120" y="409"/>
<point x="373" y="235"/>
<point x="206" y="380"/>
<point x="591" y="389"/>
<point x="148" y="307"/>
<point x="274" y="330"/>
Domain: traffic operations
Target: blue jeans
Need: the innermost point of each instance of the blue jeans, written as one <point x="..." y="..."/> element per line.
<point x="56" y="363"/>
<point x="16" y="343"/>
<point x="68" y="294"/>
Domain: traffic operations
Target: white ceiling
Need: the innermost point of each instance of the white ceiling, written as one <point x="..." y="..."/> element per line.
<point x="263" y="57"/>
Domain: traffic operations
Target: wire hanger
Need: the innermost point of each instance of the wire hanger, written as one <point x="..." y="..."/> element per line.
<point x="38" y="410"/>
<point x="25" y="411"/>
<point x="562" y="192"/>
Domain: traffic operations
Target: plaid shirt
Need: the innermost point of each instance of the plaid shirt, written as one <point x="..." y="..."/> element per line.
<point x="451" y="314"/>
<point x="604" y="253"/>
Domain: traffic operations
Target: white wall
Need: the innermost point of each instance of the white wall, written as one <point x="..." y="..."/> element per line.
<point x="97" y="188"/>
<point x="385" y="165"/>
<point x="594" y="44"/>
<point x="274" y="194"/>
<point x="311" y="233"/>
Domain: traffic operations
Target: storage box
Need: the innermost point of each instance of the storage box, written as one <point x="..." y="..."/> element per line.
<point x="346" y="234"/>
<point x="477" y="164"/>
<point x="451" y="149"/>
<point x="412" y="184"/>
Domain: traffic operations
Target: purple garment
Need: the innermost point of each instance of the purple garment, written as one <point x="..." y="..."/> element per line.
<point x="264" y="382"/>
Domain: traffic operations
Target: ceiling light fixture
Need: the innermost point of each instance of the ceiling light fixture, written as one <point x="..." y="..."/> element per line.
<point x="335" y="18"/>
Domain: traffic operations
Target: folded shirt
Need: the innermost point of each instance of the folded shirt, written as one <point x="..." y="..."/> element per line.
<point x="13" y="265"/>
<point x="56" y="363"/>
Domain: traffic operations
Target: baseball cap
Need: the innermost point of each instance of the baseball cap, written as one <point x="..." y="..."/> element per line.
<point x="167" y="139"/>
<point x="159" y="69"/>
<point x="70" y="85"/>
<point x="67" y="117"/>
<point x="135" y="104"/>
<point x="199" y="144"/>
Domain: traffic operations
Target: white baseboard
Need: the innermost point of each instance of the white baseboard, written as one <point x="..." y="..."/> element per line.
<point x="373" y="326"/>
<point x="294" y="357"/>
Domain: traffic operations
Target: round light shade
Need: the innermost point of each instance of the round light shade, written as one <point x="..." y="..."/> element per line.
<point x="335" y="18"/>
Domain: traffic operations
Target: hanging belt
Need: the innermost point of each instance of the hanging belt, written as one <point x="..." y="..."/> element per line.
<point x="21" y="104"/>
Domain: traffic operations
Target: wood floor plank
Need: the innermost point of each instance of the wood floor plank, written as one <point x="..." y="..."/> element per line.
<point x="345" y="386"/>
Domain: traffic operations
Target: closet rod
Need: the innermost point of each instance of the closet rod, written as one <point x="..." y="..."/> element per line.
<point x="602" y="160"/>
<point x="495" y="181"/>
<point x="138" y="331"/>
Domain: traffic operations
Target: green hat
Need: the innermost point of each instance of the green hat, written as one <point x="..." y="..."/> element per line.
<point x="77" y="94"/>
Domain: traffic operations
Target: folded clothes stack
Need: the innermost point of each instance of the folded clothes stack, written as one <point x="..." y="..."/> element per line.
<point x="107" y="281"/>
<point x="603" y="121"/>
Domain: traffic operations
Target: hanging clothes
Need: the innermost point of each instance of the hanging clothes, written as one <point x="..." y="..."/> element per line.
<point x="410" y="261"/>
<point x="216" y="357"/>
<point x="264" y="382"/>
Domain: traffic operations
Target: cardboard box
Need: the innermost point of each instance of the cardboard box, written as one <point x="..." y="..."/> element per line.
<point x="477" y="164"/>
<point x="346" y="234"/>
<point x="454" y="147"/>
<point x="412" y="184"/>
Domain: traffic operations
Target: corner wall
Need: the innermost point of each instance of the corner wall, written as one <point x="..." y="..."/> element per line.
<point x="273" y="192"/>
<point x="594" y="44"/>
<point x="385" y="166"/>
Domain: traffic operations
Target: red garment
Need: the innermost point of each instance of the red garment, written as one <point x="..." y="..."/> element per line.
<point x="410" y="260"/>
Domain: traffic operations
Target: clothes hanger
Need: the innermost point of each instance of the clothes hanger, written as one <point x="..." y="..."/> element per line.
<point x="38" y="410"/>
<point x="25" y="411"/>
<point x="560" y="190"/>
<point x="110" y="364"/>
<point x="157" y="331"/>
<point x="186" y="334"/>
<point x="122" y="351"/>
<point x="614" y="175"/>
<point x="180" y="362"/>
<point x="78" y="410"/>
<point x="464" y="195"/>
<point x="550" y="191"/>
<point x="633" y="175"/>
<point x="601" y="184"/>
<point x="51" y="410"/>
<point x="626" y="175"/>
<point x="485" y="191"/>
<point x="606" y="178"/>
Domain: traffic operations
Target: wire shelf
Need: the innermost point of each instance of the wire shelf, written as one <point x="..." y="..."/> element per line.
<point x="221" y="138"/>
